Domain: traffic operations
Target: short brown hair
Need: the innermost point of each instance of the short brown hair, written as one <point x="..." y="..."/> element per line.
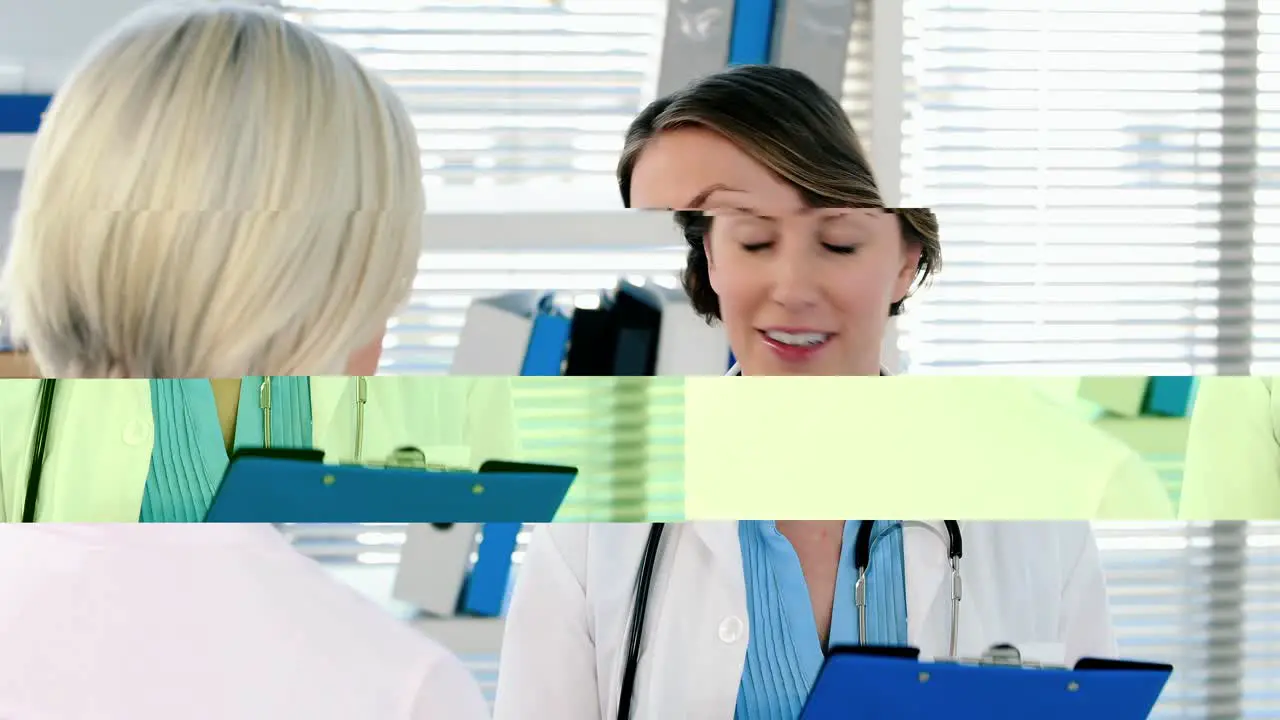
<point x="786" y="122"/>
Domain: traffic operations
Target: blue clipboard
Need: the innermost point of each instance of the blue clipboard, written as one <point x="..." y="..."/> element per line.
<point x="296" y="486"/>
<point x="869" y="682"/>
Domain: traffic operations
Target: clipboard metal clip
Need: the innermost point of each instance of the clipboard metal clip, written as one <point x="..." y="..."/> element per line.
<point x="412" y="458"/>
<point x="1002" y="655"/>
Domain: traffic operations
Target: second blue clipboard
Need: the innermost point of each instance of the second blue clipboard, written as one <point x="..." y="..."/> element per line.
<point x="282" y="490"/>
<point x="859" y="685"/>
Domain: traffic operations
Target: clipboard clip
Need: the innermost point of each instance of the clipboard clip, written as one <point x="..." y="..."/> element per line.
<point x="1002" y="655"/>
<point x="412" y="458"/>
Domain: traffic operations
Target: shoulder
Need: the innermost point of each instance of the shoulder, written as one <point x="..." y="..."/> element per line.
<point x="1065" y="540"/>
<point x="595" y="552"/>
<point x="577" y="540"/>
<point x="1234" y="387"/>
<point x="446" y="687"/>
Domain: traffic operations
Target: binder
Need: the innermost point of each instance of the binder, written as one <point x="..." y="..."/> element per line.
<point x="620" y="338"/>
<point x="495" y="335"/>
<point x="434" y="562"/>
<point x="548" y="342"/>
<point x="297" y="486"/>
<point x="875" y="682"/>
<point x="21" y="114"/>
<point x="1169" y="396"/>
<point x="637" y="313"/>
<point x="485" y="593"/>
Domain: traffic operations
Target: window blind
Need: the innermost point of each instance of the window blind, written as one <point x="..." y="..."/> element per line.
<point x="518" y="103"/>
<point x="1266" y="255"/>
<point x="1084" y="161"/>
<point x="522" y="105"/>
<point x="858" y="73"/>
<point x="1205" y="597"/>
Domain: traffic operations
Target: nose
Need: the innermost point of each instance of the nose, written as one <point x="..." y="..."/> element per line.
<point x="795" y="280"/>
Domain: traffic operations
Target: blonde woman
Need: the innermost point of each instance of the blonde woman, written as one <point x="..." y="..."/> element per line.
<point x="241" y="203"/>
<point x="216" y="193"/>
<point x="245" y="200"/>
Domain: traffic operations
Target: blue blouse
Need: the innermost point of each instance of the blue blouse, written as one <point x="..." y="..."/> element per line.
<point x="189" y="454"/>
<point x="784" y="654"/>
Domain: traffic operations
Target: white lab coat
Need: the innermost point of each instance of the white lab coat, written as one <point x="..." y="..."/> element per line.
<point x="204" y="622"/>
<point x="1036" y="585"/>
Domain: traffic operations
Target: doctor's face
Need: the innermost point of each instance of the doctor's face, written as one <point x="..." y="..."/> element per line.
<point x="802" y="291"/>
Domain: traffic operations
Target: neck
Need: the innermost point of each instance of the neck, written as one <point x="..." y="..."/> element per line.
<point x="811" y="530"/>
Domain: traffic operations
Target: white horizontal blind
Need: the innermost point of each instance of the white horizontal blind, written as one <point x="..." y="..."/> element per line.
<point x="519" y="103"/>
<point x="1266" y="256"/>
<point x="856" y="96"/>
<point x="625" y="434"/>
<point x="522" y="104"/>
<point x="1073" y="151"/>
<point x="1206" y="598"/>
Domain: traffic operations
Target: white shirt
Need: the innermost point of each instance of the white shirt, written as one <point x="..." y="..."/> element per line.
<point x="204" y="622"/>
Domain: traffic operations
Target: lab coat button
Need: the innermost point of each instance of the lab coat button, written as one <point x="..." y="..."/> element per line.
<point x="730" y="630"/>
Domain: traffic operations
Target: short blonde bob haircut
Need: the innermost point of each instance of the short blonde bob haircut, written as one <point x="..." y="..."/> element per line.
<point x="215" y="192"/>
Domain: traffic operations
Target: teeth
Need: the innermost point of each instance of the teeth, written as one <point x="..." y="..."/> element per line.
<point x="798" y="339"/>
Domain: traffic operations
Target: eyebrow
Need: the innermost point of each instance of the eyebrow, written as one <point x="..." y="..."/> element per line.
<point x="700" y="199"/>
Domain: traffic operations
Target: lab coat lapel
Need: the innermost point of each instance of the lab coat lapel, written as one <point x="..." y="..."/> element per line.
<point x="326" y="398"/>
<point x="928" y="578"/>
<point x="721" y="540"/>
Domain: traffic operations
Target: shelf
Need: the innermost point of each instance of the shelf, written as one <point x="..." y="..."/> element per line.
<point x="14" y="150"/>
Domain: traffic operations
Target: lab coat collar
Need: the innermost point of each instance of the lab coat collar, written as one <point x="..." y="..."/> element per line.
<point x="721" y="540"/>
<point x="927" y="572"/>
<point x="326" y="394"/>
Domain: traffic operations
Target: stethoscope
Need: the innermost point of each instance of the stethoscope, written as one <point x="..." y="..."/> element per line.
<point x="862" y="544"/>
<point x="44" y="415"/>
<point x="362" y="399"/>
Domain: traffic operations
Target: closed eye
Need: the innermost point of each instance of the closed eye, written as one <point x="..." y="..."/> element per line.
<point x="840" y="249"/>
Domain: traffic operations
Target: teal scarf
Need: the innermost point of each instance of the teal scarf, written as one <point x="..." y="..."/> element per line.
<point x="189" y="455"/>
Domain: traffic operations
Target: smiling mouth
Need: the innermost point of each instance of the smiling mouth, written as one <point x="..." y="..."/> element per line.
<point x="797" y="339"/>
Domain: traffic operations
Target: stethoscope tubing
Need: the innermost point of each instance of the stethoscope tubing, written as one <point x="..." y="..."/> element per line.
<point x="862" y="547"/>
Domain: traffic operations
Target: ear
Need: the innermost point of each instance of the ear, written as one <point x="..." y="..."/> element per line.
<point x="364" y="362"/>
<point x="713" y="277"/>
<point x="907" y="270"/>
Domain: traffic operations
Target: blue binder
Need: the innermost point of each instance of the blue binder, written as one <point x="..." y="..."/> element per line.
<point x="21" y="114"/>
<point x="548" y="342"/>
<point x="297" y="487"/>
<point x="1169" y="396"/>
<point x="864" y="682"/>
<point x="485" y="593"/>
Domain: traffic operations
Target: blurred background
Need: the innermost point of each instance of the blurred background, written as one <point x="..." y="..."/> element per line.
<point x="1106" y="177"/>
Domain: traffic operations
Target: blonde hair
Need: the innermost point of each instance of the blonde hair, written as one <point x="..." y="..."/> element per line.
<point x="215" y="192"/>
